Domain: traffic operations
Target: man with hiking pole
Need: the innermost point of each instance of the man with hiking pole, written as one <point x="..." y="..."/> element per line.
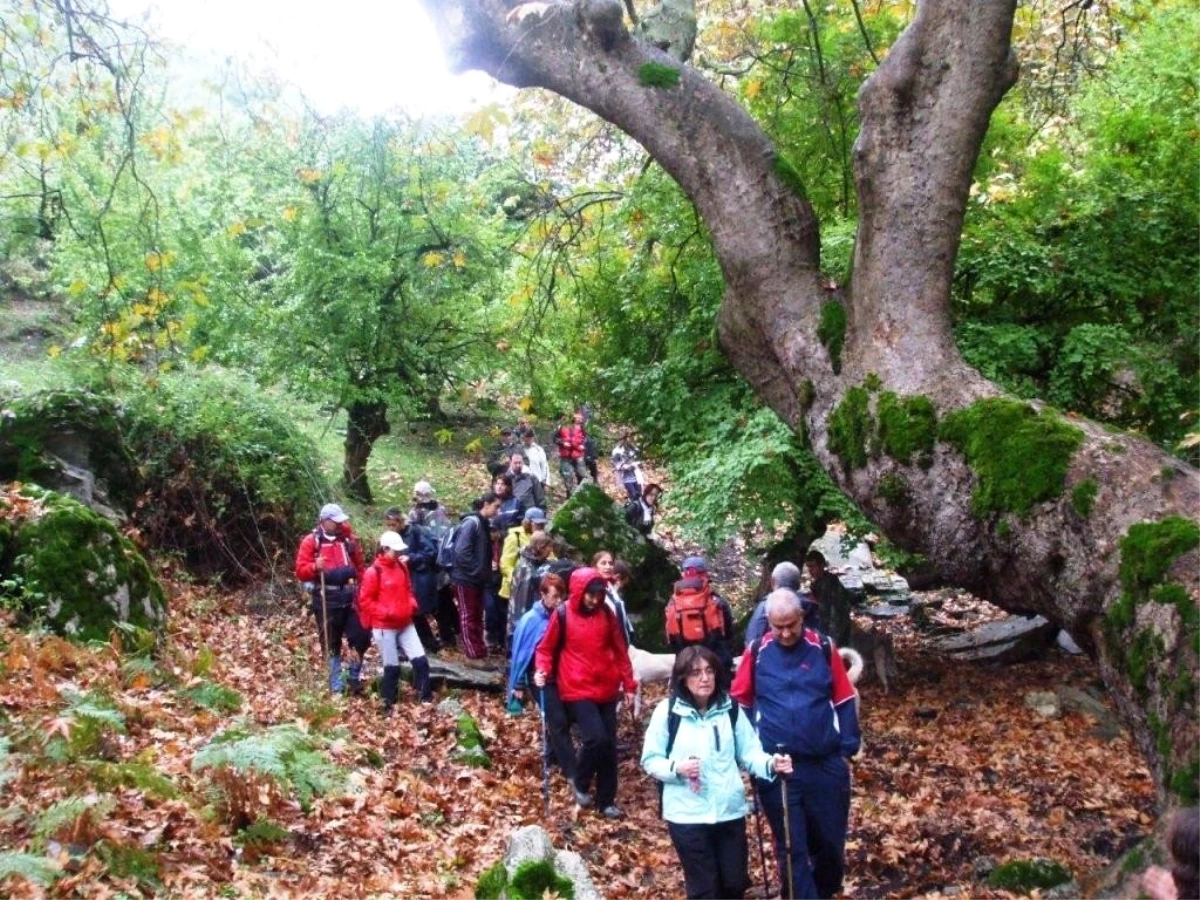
<point x="330" y="565"/>
<point x="804" y="706"/>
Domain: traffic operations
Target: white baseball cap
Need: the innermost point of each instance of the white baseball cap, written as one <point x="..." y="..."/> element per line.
<point x="389" y="540"/>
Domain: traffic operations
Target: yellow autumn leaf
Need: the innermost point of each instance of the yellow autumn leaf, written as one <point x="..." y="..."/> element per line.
<point x="433" y="259"/>
<point x="753" y="88"/>
<point x="156" y="262"/>
<point x="310" y="176"/>
<point x="236" y="229"/>
<point x="289" y="213"/>
<point x="460" y="259"/>
<point x="200" y="354"/>
<point x="77" y="287"/>
<point x="54" y="351"/>
<point x="525" y="403"/>
<point x="157" y="297"/>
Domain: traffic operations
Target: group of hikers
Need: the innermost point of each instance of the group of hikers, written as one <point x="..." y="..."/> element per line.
<point x="494" y="583"/>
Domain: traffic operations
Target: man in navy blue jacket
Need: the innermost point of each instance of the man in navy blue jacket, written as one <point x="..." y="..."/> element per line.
<point x="803" y="706"/>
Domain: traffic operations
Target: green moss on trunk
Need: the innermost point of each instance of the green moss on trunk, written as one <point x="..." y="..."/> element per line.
<point x="1020" y="456"/>
<point x="851" y="428"/>
<point x="658" y="75"/>
<point x="907" y="427"/>
<point x="1083" y="497"/>
<point x="831" y="332"/>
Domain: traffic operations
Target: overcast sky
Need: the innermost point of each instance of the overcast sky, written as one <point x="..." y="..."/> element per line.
<point x="370" y="55"/>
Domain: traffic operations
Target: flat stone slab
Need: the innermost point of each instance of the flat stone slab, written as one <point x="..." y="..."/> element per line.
<point x="885" y="611"/>
<point x="443" y="673"/>
<point x="1004" y="641"/>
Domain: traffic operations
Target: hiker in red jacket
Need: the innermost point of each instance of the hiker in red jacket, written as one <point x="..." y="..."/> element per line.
<point x="387" y="606"/>
<point x="585" y="652"/>
<point x="329" y="563"/>
<point x="571" y="441"/>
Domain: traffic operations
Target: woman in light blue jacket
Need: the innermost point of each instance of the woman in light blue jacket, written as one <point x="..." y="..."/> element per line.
<point x="695" y="744"/>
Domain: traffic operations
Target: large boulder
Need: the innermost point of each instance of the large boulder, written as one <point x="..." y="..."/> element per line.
<point x="591" y="521"/>
<point x="70" y="441"/>
<point x="70" y="567"/>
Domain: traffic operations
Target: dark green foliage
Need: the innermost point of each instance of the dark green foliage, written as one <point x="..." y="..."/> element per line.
<point x="907" y="426"/>
<point x="1185" y="784"/>
<point x="534" y="878"/>
<point x="262" y="835"/>
<point x="1149" y="549"/>
<point x="1015" y="356"/>
<point x="73" y="569"/>
<point x="1083" y="496"/>
<point x="229" y="479"/>
<point x="806" y="395"/>
<point x="851" y="428"/>
<point x="1022" y="876"/>
<point x="786" y="172"/>
<point x="831" y="332"/>
<point x="658" y="75"/>
<point x="1141" y="656"/>
<point x="491" y="883"/>
<point x="1020" y="456"/>
<point x="872" y="382"/>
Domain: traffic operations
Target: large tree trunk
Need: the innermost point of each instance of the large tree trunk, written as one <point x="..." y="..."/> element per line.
<point x="924" y="115"/>
<point x="366" y="423"/>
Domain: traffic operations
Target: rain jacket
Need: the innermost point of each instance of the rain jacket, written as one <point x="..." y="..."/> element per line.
<point x="592" y="661"/>
<point x="530" y="629"/>
<point x="386" y="600"/>
<point x="514" y="543"/>
<point x="710" y="737"/>
<point x="343" y="559"/>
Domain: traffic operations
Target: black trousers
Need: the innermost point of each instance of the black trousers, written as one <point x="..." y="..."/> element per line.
<point x="713" y="857"/>
<point x="343" y="623"/>
<point x="447" y="615"/>
<point x="598" y="755"/>
<point x="560" y="748"/>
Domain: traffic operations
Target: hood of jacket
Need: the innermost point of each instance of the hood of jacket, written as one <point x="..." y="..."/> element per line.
<point x="579" y="581"/>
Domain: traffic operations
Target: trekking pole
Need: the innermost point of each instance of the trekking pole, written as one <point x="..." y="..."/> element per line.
<point x="787" y="831"/>
<point x="545" y="750"/>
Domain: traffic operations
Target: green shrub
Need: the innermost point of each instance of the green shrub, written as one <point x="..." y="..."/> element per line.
<point x="229" y="481"/>
<point x="491" y="883"/>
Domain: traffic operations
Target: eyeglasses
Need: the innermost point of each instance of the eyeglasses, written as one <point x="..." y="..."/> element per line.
<point x="704" y="672"/>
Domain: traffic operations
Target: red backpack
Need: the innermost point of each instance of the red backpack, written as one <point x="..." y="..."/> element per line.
<point x="693" y="612"/>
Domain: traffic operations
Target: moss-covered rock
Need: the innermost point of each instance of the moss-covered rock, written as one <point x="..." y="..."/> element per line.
<point x="49" y="438"/>
<point x="491" y="883"/>
<point x="471" y="749"/>
<point x="1019" y="455"/>
<point x="70" y="567"/>
<point x="1024" y="875"/>
<point x="591" y="521"/>
<point x="1083" y="497"/>
<point x="534" y="878"/>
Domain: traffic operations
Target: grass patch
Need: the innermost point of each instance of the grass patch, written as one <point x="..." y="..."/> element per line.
<point x="1024" y="875"/>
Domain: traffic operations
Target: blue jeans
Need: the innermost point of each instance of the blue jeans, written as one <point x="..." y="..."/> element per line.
<point x="818" y="800"/>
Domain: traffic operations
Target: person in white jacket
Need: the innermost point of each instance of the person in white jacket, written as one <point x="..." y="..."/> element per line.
<point x="538" y="466"/>
<point x="696" y="742"/>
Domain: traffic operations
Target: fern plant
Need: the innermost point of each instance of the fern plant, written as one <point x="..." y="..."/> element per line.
<point x="216" y="697"/>
<point x="76" y="819"/>
<point x="82" y="727"/>
<point x="36" y="869"/>
<point x="251" y="770"/>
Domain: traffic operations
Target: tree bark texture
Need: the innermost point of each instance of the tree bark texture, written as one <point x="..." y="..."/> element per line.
<point x="924" y="114"/>
<point x="366" y="423"/>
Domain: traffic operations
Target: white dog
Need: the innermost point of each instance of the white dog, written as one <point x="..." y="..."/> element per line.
<point x="649" y="668"/>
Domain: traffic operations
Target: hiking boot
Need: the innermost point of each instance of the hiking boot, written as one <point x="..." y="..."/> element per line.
<point x="581" y="798"/>
<point x="612" y="812"/>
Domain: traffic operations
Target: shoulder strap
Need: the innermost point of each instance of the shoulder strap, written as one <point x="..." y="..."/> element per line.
<point x="673" y="719"/>
<point x="561" y="612"/>
<point x="826" y="648"/>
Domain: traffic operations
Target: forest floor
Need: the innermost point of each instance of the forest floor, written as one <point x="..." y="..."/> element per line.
<point x="955" y="770"/>
<point x="99" y="782"/>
